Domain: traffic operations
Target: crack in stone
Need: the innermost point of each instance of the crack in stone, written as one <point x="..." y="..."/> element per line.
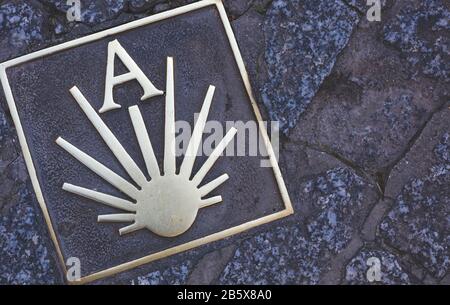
<point x="327" y="150"/>
<point x="374" y="218"/>
<point x="410" y="144"/>
<point x="356" y="9"/>
<point x="336" y="273"/>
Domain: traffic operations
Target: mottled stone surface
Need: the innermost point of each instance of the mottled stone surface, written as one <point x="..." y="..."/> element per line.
<point x="210" y="266"/>
<point x="281" y="256"/>
<point x="236" y="8"/>
<point x="419" y="220"/>
<point x="175" y="275"/>
<point x="26" y="253"/>
<point x="9" y="151"/>
<point x="21" y="24"/>
<point x="342" y="200"/>
<point x="421" y="32"/>
<point x="25" y="257"/>
<point x="94" y="12"/>
<point x="173" y="270"/>
<point x="140" y="6"/>
<point x="331" y="201"/>
<point x="249" y="33"/>
<point x="391" y="272"/>
<point x="303" y="39"/>
<point x="365" y="108"/>
<point x="361" y="5"/>
<point x="369" y="108"/>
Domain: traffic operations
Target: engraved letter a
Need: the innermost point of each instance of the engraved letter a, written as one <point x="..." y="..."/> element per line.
<point x="135" y="72"/>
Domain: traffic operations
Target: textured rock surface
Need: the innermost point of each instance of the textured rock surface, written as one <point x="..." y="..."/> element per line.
<point x="172" y="276"/>
<point x="303" y="39"/>
<point x="21" y="24"/>
<point x="249" y="33"/>
<point x="361" y="5"/>
<point x="236" y="8"/>
<point x="25" y="255"/>
<point x="419" y="220"/>
<point x="369" y="108"/>
<point x="342" y="200"/>
<point x="391" y="272"/>
<point x="332" y="201"/>
<point x="421" y="32"/>
<point x="209" y="268"/>
<point x="281" y="256"/>
<point x="94" y="12"/>
<point x="365" y="108"/>
<point x="9" y="151"/>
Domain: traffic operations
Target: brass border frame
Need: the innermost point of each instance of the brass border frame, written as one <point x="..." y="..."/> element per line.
<point x="128" y="26"/>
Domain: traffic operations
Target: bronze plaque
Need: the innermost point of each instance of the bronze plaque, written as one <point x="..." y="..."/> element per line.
<point x="97" y="119"/>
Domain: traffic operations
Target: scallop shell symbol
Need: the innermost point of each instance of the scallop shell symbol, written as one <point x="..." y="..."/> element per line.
<point x="167" y="204"/>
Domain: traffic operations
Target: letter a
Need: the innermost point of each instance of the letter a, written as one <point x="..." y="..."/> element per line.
<point x="136" y="73"/>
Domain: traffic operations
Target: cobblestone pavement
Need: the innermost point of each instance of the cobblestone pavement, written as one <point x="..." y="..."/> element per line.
<point x="365" y="150"/>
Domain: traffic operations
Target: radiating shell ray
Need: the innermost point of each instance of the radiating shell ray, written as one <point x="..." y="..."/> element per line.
<point x="128" y="229"/>
<point x="144" y="142"/>
<point x="169" y="140"/>
<point x="167" y="204"/>
<point x="116" y="218"/>
<point x="98" y="168"/>
<point x="106" y="199"/>
<point x="196" y="138"/>
<point x="198" y="178"/>
<point x="210" y="201"/>
<point x="114" y="145"/>
<point x="210" y="186"/>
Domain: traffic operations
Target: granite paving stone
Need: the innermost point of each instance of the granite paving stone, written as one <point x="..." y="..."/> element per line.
<point x="419" y="223"/>
<point x="364" y="112"/>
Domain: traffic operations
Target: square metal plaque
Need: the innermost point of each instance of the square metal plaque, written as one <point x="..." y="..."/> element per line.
<point x="96" y="122"/>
